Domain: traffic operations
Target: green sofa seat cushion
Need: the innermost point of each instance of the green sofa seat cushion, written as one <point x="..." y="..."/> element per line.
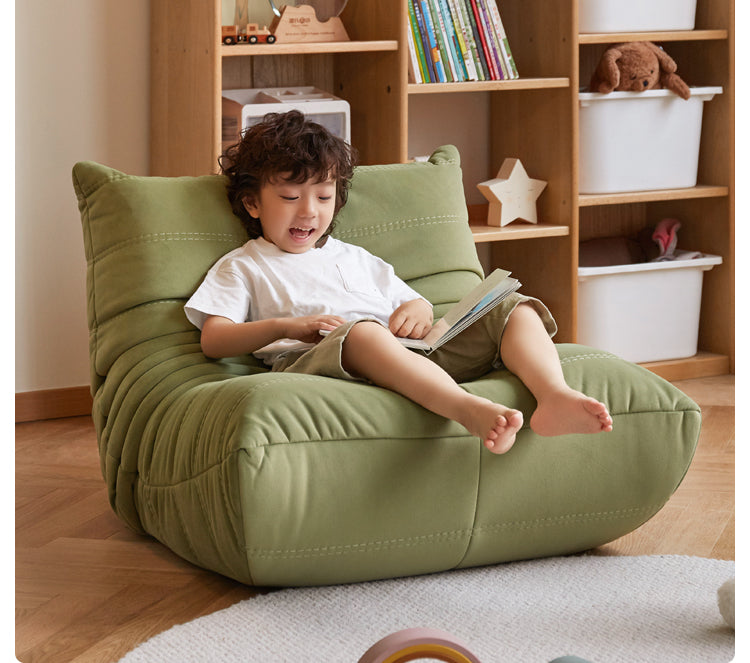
<point x="279" y="479"/>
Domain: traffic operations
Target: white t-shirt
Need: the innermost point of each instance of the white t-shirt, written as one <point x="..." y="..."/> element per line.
<point x="259" y="281"/>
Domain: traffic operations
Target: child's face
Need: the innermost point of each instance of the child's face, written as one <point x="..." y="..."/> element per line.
<point x="294" y="216"/>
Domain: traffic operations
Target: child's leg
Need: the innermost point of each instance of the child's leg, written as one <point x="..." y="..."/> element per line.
<point x="372" y="352"/>
<point x="528" y="352"/>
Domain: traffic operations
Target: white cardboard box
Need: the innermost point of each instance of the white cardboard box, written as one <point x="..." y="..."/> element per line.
<point x="645" y="311"/>
<point x="636" y="141"/>
<point x="635" y="15"/>
<point x="243" y="108"/>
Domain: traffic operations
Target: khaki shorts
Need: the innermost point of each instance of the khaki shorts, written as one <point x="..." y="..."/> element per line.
<point x="467" y="356"/>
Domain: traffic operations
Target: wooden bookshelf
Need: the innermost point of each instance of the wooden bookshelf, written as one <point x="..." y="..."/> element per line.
<point x="488" y="86"/>
<point x="676" y="35"/>
<point x="312" y="48"/>
<point x="534" y="118"/>
<point x="703" y="364"/>
<point x="483" y="233"/>
<point x="700" y="191"/>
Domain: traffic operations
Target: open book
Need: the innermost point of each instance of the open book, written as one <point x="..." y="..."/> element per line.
<point x="482" y="299"/>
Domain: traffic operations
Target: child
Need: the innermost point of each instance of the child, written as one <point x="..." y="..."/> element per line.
<point x="288" y="178"/>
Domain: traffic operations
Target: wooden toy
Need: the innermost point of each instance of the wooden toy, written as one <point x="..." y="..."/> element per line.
<point x="252" y="34"/>
<point x="512" y="194"/>
<point x="300" y="24"/>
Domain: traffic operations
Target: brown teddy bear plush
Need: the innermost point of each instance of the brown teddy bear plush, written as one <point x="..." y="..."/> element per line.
<point x="637" y="66"/>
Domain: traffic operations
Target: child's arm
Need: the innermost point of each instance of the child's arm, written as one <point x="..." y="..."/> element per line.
<point x="413" y="319"/>
<point x="221" y="337"/>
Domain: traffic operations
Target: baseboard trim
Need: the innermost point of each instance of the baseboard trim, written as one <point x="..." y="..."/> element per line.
<point x="53" y="403"/>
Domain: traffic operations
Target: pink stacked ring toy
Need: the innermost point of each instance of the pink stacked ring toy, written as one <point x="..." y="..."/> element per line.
<point x="414" y="643"/>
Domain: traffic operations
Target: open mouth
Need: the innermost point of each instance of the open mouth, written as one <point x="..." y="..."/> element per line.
<point x="301" y="233"/>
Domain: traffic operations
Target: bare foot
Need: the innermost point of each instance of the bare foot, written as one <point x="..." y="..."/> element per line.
<point x="494" y="424"/>
<point x="570" y="412"/>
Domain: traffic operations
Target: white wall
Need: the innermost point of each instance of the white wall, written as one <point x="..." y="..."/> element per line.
<point x="82" y="84"/>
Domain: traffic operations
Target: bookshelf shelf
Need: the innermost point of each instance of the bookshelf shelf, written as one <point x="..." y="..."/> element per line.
<point x="676" y="35"/>
<point x="484" y="233"/>
<point x="703" y="364"/>
<point x="244" y="50"/>
<point x="488" y="86"/>
<point x="701" y="191"/>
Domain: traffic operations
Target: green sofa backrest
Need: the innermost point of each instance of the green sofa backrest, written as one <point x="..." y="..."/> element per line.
<point x="150" y="240"/>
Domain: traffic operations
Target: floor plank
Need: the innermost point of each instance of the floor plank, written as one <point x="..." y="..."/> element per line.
<point x="88" y="589"/>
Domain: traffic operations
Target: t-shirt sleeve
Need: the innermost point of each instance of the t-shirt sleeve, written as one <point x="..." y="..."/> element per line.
<point x="224" y="293"/>
<point x="392" y="286"/>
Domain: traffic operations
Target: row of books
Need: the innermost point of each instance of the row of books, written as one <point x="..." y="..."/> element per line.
<point x="458" y="40"/>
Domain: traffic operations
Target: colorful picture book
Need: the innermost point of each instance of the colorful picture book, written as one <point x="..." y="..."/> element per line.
<point x="458" y="40"/>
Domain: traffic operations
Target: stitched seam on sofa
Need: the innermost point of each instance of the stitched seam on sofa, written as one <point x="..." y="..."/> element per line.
<point x="181" y="524"/>
<point x="105" y="323"/>
<point x="86" y="221"/>
<point x="416" y="222"/>
<point x="591" y="355"/>
<point x="113" y="176"/>
<point x="476" y="509"/>
<point x="553" y="521"/>
<point x="151" y="238"/>
<point x="242" y="489"/>
<point x="448" y="535"/>
<point x="167" y="486"/>
<point x="403" y="166"/>
<point x="369" y="546"/>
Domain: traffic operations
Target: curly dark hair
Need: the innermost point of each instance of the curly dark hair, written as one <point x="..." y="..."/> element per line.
<point x="285" y="144"/>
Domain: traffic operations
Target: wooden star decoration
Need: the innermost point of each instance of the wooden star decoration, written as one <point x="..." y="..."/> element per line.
<point x="512" y="194"/>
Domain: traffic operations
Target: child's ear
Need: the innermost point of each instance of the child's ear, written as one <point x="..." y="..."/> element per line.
<point x="250" y="206"/>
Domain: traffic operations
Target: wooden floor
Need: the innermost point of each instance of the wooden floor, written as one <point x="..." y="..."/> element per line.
<point x="88" y="589"/>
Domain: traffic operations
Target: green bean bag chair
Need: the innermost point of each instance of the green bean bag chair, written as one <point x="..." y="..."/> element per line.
<point x="286" y="480"/>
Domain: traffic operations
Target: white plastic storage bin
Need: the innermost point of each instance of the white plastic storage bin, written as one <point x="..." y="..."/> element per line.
<point x="645" y="311"/>
<point x="635" y="15"/>
<point x="241" y="109"/>
<point x="634" y="141"/>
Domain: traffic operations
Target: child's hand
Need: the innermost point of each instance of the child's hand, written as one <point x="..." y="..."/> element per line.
<point x="413" y="319"/>
<point x="307" y="328"/>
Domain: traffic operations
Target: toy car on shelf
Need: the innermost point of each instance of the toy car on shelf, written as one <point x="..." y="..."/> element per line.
<point x="252" y="34"/>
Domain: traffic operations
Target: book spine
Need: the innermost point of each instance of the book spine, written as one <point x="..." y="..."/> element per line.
<point x="503" y="38"/>
<point x="494" y="75"/>
<point x="465" y="39"/>
<point x="476" y="43"/>
<point x="416" y="43"/>
<point x="415" y="72"/>
<point x="461" y="43"/>
<point x="434" y="50"/>
<point x="425" y="36"/>
<point x="452" y="38"/>
<point x="437" y="22"/>
<point x="492" y="40"/>
<point x="509" y="57"/>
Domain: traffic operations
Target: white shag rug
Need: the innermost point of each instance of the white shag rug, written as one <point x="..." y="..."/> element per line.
<point x="656" y="609"/>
